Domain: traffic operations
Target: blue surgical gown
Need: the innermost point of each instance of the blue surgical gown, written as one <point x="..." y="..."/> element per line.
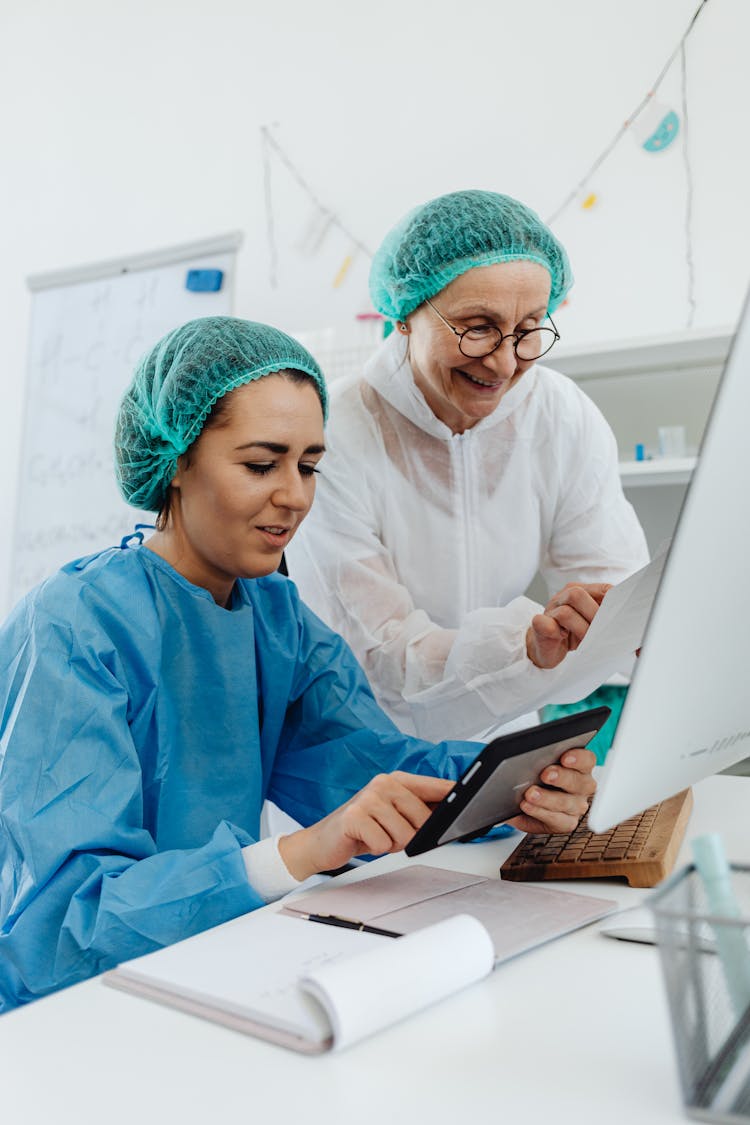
<point x="141" y="728"/>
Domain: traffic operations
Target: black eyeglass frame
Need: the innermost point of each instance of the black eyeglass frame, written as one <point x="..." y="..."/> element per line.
<point x="515" y="336"/>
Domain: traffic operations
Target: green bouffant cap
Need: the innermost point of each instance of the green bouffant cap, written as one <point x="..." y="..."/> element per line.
<point x="175" y="386"/>
<point x="440" y="240"/>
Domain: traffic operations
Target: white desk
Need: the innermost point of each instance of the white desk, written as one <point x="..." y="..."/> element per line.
<point x="574" y="1032"/>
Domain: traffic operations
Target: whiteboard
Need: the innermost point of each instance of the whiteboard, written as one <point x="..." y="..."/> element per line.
<point x="89" y="327"/>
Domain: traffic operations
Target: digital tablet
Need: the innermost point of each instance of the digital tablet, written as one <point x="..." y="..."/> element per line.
<point x="491" y="789"/>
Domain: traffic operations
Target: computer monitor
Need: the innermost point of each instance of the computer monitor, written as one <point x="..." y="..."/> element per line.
<point x="687" y="714"/>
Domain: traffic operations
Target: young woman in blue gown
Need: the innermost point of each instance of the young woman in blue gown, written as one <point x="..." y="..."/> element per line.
<point x="154" y="695"/>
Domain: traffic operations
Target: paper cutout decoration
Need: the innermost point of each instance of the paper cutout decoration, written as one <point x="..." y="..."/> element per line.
<point x="656" y="127"/>
<point x="343" y="269"/>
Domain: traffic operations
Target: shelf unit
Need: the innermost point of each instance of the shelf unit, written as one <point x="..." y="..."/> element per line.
<point x="640" y="385"/>
<point x="652" y="355"/>
<point x="665" y="470"/>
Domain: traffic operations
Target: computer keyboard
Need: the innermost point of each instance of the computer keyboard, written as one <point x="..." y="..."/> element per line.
<point x="642" y="849"/>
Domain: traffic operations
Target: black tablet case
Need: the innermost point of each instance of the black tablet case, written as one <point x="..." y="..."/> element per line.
<point x="490" y="790"/>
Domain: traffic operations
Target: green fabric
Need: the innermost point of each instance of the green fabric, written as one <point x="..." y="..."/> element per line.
<point x="175" y="386"/>
<point x="440" y="240"/>
<point x="609" y="695"/>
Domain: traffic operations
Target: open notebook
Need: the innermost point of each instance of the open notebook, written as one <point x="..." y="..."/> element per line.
<point x="274" y="974"/>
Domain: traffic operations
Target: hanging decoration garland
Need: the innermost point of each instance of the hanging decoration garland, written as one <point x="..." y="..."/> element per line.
<point x="320" y="221"/>
<point x="690" y="264"/>
<point x="654" y="124"/>
<point x="656" y="127"/>
<point x="663" y="129"/>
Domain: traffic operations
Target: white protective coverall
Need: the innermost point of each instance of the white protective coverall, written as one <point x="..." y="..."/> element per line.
<point x="421" y="542"/>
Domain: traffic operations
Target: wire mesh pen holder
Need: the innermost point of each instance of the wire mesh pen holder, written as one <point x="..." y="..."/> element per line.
<point x="705" y="958"/>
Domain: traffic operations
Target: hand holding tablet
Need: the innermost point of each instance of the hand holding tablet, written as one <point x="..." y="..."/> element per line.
<point x="492" y="787"/>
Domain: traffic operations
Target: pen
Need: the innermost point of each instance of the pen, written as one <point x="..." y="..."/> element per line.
<point x="349" y="924"/>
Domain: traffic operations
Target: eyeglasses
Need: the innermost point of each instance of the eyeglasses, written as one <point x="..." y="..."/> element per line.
<point x="484" y="339"/>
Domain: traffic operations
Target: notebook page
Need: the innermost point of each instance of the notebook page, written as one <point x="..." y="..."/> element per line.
<point x="373" y="990"/>
<point x="378" y="895"/>
<point x="250" y="967"/>
<point x="517" y="917"/>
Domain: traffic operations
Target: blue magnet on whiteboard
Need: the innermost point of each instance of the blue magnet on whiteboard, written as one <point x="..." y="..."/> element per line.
<point x="204" y="281"/>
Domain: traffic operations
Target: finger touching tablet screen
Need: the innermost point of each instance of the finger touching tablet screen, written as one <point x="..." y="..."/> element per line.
<point x="491" y="788"/>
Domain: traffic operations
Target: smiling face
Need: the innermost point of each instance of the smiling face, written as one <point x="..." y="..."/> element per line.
<point x="245" y="485"/>
<point x="460" y="391"/>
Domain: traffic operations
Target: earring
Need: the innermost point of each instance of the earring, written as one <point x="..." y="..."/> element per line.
<point x="403" y="327"/>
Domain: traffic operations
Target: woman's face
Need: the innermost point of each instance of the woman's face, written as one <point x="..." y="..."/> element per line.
<point x="246" y="486"/>
<point x="460" y="391"/>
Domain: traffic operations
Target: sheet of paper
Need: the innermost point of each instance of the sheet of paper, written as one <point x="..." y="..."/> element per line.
<point x="614" y="635"/>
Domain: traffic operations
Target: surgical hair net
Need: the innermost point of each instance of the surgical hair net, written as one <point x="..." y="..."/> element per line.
<point x="176" y="384"/>
<point x="440" y="240"/>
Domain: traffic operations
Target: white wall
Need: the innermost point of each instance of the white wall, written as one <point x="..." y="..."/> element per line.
<point x="131" y="126"/>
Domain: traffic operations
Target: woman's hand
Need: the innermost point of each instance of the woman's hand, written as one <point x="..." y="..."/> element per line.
<point x="384" y="816"/>
<point x="559" y="809"/>
<point x="381" y="818"/>
<point x="564" y="623"/>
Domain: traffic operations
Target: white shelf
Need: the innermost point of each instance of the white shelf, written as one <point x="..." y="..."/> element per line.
<point x="662" y="470"/>
<point x="697" y="349"/>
